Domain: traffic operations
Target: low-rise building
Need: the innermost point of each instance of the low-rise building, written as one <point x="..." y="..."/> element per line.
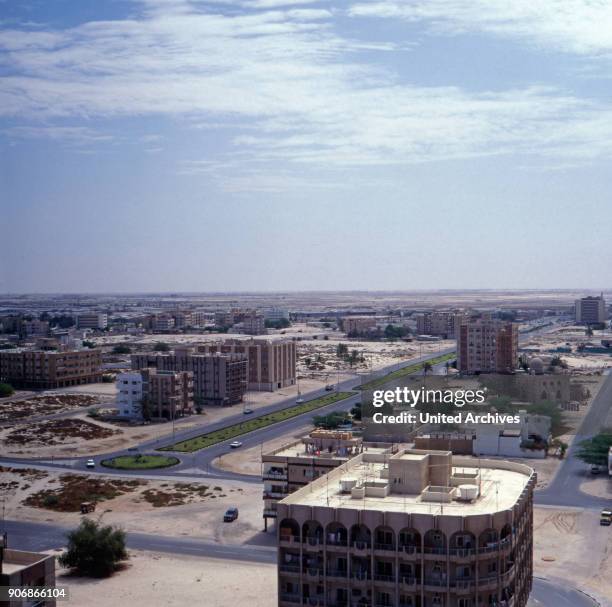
<point x="43" y="369"/>
<point x="358" y="325"/>
<point x="442" y="324"/>
<point x="411" y="529"/>
<point x="21" y="568"/>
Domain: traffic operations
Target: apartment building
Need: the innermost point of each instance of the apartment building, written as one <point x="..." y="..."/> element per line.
<point x="250" y="323"/>
<point x="443" y="324"/>
<point x="129" y="394"/>
<point x="487" y="345"/>
<point x="43" y="369"/>
<point x="296" y="464"/>
<point x="218" y="379"/>
<point x="92" y="320"/>
<point x="591" y="310"/>
<point x="412" y="529"/>
<point x="272" y="362"/>
<point x="20" y="568"/>
<point x="276" y="314"/>
<point x="358" y="324"/>
<point x="34" y="327"/>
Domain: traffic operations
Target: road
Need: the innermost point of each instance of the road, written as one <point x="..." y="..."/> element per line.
<point x="39" y="536"/>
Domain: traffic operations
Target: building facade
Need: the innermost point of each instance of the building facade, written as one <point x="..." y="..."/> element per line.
<point x="591" y="310"/>
<point x="41" y="369"/>
<point x="442" y="324"/>
<point x="218" y="379"/>
<point x="414" y="529"/>
<point x="272" y="362"/>
<point x="358" y="324"/>
<point x="129" y="394"/>
<point x="487" y="345"/>
<point x="92" y="320"/>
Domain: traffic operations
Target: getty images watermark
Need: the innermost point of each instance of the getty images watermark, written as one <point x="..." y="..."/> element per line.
<point x="421" y="396"/>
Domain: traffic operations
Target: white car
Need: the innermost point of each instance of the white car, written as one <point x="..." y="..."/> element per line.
<point x="248" y="411"/>
<point x="299" y="401"/>
<point x="235" y="444"/>
<point x="90" y="463"/>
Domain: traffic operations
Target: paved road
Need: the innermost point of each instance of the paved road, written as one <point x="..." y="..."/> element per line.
<point x="564" y="489"/>
<point x="39" y="536"/>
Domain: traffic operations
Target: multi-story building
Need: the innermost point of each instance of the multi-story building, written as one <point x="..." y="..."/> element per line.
<point x="272" y="362"/>
<point x="442" y="324"/>
<point x="183" y="318"/>
<point x="591" y="310"/>
<point x="412" y="529"/>
<point x="358" y="324"/>
<point x="129" y="394"/>
<point x="218" y="379"/>
<point x="162" y="322"/>
<point x="42" y="369"/>
<point x="251" y="323"/>
<point x="20" y="568"/>
<point x="293" y="466"/>
<point x="487" y="345"/>
<point x="34" y="327"/>
<point x="276" y="314"/>
<point x="92" y="320"/>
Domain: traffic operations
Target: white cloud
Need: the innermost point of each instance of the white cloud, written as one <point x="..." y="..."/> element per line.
<point x="289" y="84"/>
<point x="579" y="26"/>
<point x="72" y="134"/>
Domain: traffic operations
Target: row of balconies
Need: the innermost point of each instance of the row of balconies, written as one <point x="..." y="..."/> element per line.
<point x="319" y="601"/>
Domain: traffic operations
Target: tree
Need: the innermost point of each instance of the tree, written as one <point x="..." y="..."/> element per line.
<point x="94" y="550"/>
<point x="341" y="350"/>
<point x="89" y="344"/>
<point x="122" y="349"/>
<point x="427" y="367"/>
<point x="353" y="357"/>
<point x="161" y="346"/>
<point x="594" y="450"/>
<point x="589" y="331"/>
<point x="356" y="412"/>
<point x="281" y="323"/>
<point x="6" y="390"/>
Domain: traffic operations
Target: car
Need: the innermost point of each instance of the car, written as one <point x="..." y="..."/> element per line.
<point x="247" y="411"/>
<point x="235" y="444"/>
<point x="595" y="470"/>
<point x="231" y="514"/>
<point x="606" y="517"/>
<point x="329" y="388"/>
<point x="90" y="463"/>
<point x="299" y="401"/>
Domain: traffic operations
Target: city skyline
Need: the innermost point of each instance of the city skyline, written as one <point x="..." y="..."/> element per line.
<point x="301" y="145"/>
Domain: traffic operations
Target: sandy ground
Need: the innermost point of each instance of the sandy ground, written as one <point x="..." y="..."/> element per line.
<point x="599" y="486"/>
<point x="248" y="461"/>
<point x="201" y="518"/>
<point x="579" y="548"/>
<point x="161" y="579"/>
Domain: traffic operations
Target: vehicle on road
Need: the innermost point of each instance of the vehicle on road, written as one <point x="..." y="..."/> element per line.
<point x="606" y="517"/>
<point x="87" y="507"/>
<point x="595" y="469"/>
<point x="329" y="388"/>
<point x="247" y="411"/>
<point x="90" y="463"/>
<point x="235" y="444"/>
<point x="300" y="400"/>
<point x="231" y="514"/>
<point x="132" y="448"/>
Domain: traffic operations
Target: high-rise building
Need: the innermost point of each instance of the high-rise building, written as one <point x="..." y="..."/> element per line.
<point x="218" y="379"/>
<point x="487" y="345"/>
<point x="92" y="320"/>
<point x="591" y="310"/>
<point x="412" y="529"/>
<point x="43" y="369"/>
<point x="272" y="362"/>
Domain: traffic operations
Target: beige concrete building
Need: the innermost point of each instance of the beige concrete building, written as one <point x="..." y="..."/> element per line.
<point x="168" y="394"/>
<point x="19" y="568"/>
<point x="42" y="369"/>
<point x="358" y="324"/>
<point x="92" y="320"/>
<point x="443" y="324"/>
<point x="293" y="466"/>
<point x="272" y="362"/>
<point x="411" y="529"/>
<point x="487" y="345"/>
<point x="218" y="379"/>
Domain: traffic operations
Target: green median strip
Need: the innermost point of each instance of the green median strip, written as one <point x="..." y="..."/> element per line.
<point x="385" y="379"/>
<point x="140" y="462"/>
<point x="217" y="436"/>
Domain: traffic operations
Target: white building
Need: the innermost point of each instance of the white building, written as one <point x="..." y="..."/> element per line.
<point x="129" y="399"/>
<point x="276" y="314"/>
<point x="591" y="310"/>
<point x="92" y="320"/>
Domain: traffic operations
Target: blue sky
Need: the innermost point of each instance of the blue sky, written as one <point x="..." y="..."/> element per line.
<point x="167" y="145"/>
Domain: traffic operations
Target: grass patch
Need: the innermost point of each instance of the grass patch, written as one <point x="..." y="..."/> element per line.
<point x="381" y="381"/>
<point x="217" y="436"/>
<point x="140" y="462"/>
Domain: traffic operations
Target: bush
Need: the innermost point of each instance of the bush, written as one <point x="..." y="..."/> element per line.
<point x="6" y="390"/>
<point x="122" y="349"/>
<point x="94" y="550"/>
<point x="50" y="501"/>
<point x="161" y="346"/>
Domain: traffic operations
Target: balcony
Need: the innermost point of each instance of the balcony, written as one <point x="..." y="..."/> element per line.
<point x="361" y="546"/>
<point x="269" y="513"/>
<point x="461" y="553"/>
<point x="291" y="568"/>
<point x="289" y="540"/>
<point x="409" y="550"/>
<point x="275" y="495"/>
<point x="337" y="573"/>
<point x="384" y="579"/>
<point x="313" y="572"/>
<point x="360" y="576"/>
<point x="463" y="584"/>
<point x="293" y="599"/>
<point x="408" y="580"/>
<point x="384" y="547"/>
<point x="435" y="583"/>
<point x="274" y="476"/>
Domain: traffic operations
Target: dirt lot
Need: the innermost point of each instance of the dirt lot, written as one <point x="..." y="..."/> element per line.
<point x="570" y="545"/>
<point x="160" y="579"/>
<point x="168" y="507"/>
<point x="18" y="409"/>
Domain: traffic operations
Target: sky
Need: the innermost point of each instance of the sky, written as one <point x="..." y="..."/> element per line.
<point x="262" y="145"/>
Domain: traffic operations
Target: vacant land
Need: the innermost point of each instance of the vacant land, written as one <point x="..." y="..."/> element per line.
<point x="19" y="409"/>
<point x="212" y="438"/>
<point x="55" y="432"/>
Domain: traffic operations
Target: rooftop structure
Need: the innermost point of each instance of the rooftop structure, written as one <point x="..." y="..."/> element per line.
<point x="413" y="529"/>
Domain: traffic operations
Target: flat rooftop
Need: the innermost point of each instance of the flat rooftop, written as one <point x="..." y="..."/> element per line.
<point x="500" y="488"/>
<point x="298" y="449"/>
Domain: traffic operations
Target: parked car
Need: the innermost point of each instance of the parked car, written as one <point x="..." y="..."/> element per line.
<point x="595" y="470"/>
<point x="235" y="444"/>
<point x="606" y="517"/>
<point x="300" y="400"/>
<point x="247" y="411"/>
<point x="329" y="388"/>
<point x="90" y="463"/>
<point x="231" y="514"/>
